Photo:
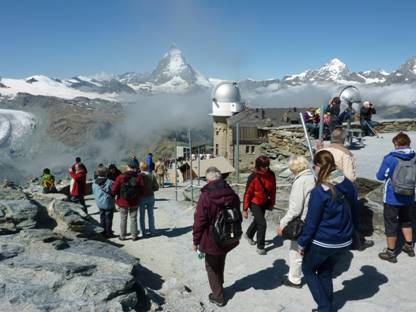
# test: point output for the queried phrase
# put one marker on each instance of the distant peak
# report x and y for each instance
(173, 50)
(336, 62)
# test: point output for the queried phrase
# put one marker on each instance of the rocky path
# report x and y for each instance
(253, 282)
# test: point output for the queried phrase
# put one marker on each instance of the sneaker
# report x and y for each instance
(122, 238)
(261, 252)
(135, 238)
(250, 241)
(388, 255)
(288, 283)
(409, 250)
(218, 303)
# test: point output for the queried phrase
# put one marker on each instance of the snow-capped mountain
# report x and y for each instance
(173, 75)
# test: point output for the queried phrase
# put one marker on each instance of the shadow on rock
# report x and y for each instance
(267, 279)
(173, 232)
(361, 287)
(153, 283)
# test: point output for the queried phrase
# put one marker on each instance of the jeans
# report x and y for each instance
(123, 221)
(318, 265)
(258, 225)
(106, 220)
(215, 269)
(147, 203)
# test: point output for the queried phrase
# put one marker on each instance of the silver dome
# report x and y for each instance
(350, 95)
(227, 92)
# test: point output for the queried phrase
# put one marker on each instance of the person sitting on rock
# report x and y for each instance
(397, 205)
(105, 201)
(78, 185)
(302, 186)
(366, 114)
(48, 181)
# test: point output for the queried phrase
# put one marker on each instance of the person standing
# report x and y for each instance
(147, 202)
(78, 185)
(113, 172)
(160, 170)
(150, 163)
(105, 201)
(128, 188)
(397, 205)
(214, 195)
(344, 159)
(328, 229)
(366, 114)
(260, 195)
(302, 186)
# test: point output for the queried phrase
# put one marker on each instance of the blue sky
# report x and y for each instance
(226, 39)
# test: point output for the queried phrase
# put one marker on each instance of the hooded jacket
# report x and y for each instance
(257, 191)
(213, 196)
(299, 196)
(101, 189)
(330, 222)
(116, 187)
(385, 173)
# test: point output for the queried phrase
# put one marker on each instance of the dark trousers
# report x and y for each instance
(81, 200)
(215, 268)
(318, 265)
(258, 225)
(106, 220)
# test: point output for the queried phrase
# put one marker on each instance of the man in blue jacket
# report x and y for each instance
(396, 206)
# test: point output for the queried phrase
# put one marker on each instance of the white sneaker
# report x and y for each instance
(250, 241)
(261, 252)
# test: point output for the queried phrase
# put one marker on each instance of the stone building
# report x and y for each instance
(230, 112)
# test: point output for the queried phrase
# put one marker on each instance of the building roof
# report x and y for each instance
(266, 117)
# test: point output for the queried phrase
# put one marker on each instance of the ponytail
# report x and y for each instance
(326, 163)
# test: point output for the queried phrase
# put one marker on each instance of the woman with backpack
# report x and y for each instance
(260, 195)
(147, 202)
(215, 196)
(105, 201)
(328, 229)
(302, 186)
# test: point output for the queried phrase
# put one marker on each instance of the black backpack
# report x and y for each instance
(129, 189)
(227, 228)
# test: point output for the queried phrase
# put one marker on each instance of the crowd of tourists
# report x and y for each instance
(323, 217)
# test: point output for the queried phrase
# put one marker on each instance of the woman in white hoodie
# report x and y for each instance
(302, 186)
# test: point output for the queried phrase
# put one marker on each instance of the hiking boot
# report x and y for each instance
(216, 302)
(288, 283)
(388, 255)
(261, 251)
(250, 240)
(409, 250)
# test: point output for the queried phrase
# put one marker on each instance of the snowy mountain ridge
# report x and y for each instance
(174, 75)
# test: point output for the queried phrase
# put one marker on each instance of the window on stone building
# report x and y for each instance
(247, 149)
(253, 149)
(216, 149)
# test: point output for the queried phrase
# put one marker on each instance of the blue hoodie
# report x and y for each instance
(386, 172)
(102, 193)
(330, 223)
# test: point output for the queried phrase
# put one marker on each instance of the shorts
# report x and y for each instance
(395, 217)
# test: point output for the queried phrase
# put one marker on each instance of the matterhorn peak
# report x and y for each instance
(173, 50)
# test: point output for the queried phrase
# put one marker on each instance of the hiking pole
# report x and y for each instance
(373, 130)
(321, 124)
(308, 141)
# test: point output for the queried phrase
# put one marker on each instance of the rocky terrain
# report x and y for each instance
(53, 258)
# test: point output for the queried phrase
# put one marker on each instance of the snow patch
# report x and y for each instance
(14, 125)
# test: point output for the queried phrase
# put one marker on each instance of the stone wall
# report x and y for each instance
(396, 125)
(284, 142)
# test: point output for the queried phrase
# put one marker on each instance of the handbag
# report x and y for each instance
(293, 229)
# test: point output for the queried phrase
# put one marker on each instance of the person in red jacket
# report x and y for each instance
(78, 185)
(260, 196)
(213, 196)
(128, 188)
